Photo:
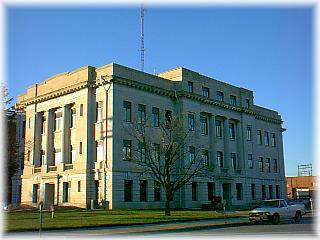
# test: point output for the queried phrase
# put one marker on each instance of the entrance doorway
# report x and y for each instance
(49, 194)
(226, 189)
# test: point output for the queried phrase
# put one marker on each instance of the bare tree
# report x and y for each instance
(163, 153)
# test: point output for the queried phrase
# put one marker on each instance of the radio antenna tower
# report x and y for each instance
(142, 49)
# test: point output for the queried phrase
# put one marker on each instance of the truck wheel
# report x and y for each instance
(275, 218)
(297, 217)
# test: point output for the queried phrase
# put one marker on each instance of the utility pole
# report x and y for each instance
(142, 49)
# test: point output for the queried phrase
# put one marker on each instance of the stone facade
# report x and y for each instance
(75, 124)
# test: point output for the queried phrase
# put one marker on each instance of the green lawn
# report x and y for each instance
(29, 220)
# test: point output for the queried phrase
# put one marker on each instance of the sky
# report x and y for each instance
(265, 49)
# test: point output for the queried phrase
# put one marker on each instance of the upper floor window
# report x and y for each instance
(247, 103)
(250, 161)
(81, 110)
(232, 131)
(73, 154)
(142, 113)
(43, 157)
(99, 150)
(156, 152)
(43, 124)
(142, 152)
(126, 111)
(190, 87)
(234, 160)
(127, 150)
(191, 122)
(220, 159)
(194, 191)
(205, 92)
(168, 117)
(57, 120)
(266, 138)
(273, 139)
(259, 137)
(73, 118)
(268, 167)
(233, 100)
(205, 157)
(192, 154)
(249, 133)
(239, 191)
(99, 111)
(57, 156)
(218, 128)
(219, 96)
(155, 117)
(260, 164)
(29, 122)
(80, 148)
(204, 125)
(275, 165)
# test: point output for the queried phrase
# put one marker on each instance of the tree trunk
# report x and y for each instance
(167, 208)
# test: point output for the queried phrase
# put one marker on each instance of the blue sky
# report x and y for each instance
(267, 50)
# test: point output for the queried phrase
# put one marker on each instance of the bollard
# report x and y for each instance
(52, 211)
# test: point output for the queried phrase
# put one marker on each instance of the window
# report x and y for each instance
(156, 151)
(211, 190)
(43, 124)
(142, 152)
(219, 96)
(260, 164)
(141, 114)
(233, 100)
(23, 129)
(80, 148)
(35, 194)
(126, 111)
(234, 160)
(190, 87)
(157, 191)
(263, 192)
(205, 92)
(250, 161)
(28, 155)
(43, 157)
(249, 133)
(128, 190)
(259, 137)
(192, 154)
(266, 138)
(253, 191)
(239, 191)
(79, 186)
(126, 150)
(29, 122)
(232, 132)
(73, 154)
(277, 191)
(204, 125)
(100, 156)
(81, 110)
(66, 191)
(218, 128)
(270, 192)
(205, 157)
(155, 117)
(57, 156)
(275, 165)
(73, 118)
(143, 190)
(268, 167)
(57, 120)
(220, 159)
(247, 103)
(168, 117)
(194, 191)
(191, 121)
(273, 139)
(99, 111)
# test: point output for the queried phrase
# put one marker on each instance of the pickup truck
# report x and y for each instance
(275, 210)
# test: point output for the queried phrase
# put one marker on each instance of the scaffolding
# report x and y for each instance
(305, 170)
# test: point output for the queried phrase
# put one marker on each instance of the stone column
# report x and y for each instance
(49, 139)
(240, 146)
(65, 133)
(37, 138)
(212, 142)
(226, 139)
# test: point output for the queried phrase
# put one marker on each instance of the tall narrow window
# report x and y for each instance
(275, 165)
(142, 152)
(194, 191)
(128, 190)
(248, 133)
(247, 103)
(259, 137)
(156, 152)
(66, 191)
(268, 167)
(250, 161)
(57, 120)
(218, 128)
(277, 191)
(73, 118)
(211, 190)
(143, 190)
(190, 87)
(99, 111)
(73, 154)
(191, 121)
(270, 192)
(100, 154)
(155, 117)
(205, 92)
(263, 192)
(80, 148)
(234, 160)
(219, 96)
(204, 125)
(205, 157)
(142, 114)
(35, 194)
(273, 139)
(43, 157)
(126, 111)
(127, 150)
(239, 191)
(57, 156)
(81, 110)
(266, 138)
(233, 100)
(253, 191)
(192, 154)
(232, 132)
(43, 124)
(220, 159)
(260, 164)
(157, 191)
(79, 186)
(168, 117)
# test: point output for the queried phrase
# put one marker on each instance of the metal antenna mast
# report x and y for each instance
(142, 49)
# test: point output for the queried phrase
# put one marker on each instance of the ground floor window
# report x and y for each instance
(270, 192)
(35, 195)
(194, 191)
(66, 191)
(277, 191)
(157, 191)
(263, 192)
(253, 191)
(128, 190)
(239, 191)
(211, 190)
(143, 190)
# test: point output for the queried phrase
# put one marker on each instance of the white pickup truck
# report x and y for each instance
(275, 210)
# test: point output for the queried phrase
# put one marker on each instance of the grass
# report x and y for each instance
(29, 220)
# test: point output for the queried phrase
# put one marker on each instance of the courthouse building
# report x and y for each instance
(76, 145)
